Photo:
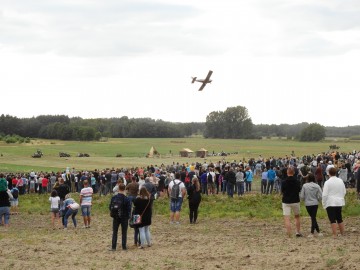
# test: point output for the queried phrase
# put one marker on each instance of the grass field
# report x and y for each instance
(17, 157)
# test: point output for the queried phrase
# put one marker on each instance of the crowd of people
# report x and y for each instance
(311, 178)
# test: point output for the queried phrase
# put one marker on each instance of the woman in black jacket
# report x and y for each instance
(143, 207)
(5, 197)
(194, 196)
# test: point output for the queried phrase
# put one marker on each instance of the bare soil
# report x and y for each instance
(30, 243)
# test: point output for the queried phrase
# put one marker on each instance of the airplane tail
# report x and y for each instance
(193, 79)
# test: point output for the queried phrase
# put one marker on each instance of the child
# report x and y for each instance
(54, 208)
(14, 200)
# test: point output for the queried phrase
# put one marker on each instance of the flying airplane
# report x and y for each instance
(203, 81)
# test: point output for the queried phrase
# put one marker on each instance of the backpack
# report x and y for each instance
(117, 207)
(175, 190)
(15, 193)
(209, 178)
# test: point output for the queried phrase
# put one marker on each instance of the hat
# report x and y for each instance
(321, 161)
(330, 162)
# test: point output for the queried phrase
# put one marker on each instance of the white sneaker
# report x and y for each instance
(320, 234)
(310, 236)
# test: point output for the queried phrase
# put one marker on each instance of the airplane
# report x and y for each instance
(203, 81)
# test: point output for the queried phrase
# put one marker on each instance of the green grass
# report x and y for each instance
(17, 157)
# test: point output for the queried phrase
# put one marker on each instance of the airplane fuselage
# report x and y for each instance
(203, 81)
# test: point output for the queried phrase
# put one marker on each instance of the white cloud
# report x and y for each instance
(286, 61)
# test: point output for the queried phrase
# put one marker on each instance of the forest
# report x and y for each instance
(234, 123)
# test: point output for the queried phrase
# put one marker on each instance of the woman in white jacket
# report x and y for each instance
(333, 199)
(311, 193)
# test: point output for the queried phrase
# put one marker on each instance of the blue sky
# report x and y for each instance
(285, 61)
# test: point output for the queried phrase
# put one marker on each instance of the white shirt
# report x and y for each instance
(334, 192)
(182, 186)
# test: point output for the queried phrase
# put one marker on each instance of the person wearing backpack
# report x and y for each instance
(177, 192)
(120, 208)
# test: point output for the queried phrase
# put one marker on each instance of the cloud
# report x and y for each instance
(101, 29)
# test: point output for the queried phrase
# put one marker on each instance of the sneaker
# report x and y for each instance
(140, 247)
(177, 223)
(320, 234)
(299, 235)
(310, 236)
(112, 249)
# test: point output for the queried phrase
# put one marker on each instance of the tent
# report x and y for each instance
(153, 152)
(202, 152)
(186, 152)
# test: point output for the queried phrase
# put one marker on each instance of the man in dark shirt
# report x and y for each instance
(290, 189)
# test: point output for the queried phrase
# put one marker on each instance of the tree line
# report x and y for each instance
(234, 123)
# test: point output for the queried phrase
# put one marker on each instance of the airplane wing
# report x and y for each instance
(202, 86)
(208, 76)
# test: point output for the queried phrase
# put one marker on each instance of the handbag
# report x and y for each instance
(136, 219)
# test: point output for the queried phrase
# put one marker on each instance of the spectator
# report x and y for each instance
(311, 193)
(176, 199)
(333, 199)
(143, 206)
(194, 196)
(290, 189)
(86, 202)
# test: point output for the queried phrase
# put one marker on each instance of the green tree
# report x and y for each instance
(312, 133)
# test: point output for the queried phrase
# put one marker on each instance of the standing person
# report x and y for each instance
(210, 180)
(333, 199)
(264, 179)
(71, 208)
(54, 208)
(290, 189)
(120, 209)
(311, 193)
(231, 181)
(44, 184)
(5, 197)
(15, 201)
(132, 189)
(271, 180)
(194, 196)
(248, 179)
(143, 206)
(240, 181)
(86, 202)
(177, 192)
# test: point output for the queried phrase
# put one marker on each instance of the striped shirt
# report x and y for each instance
(86, 194)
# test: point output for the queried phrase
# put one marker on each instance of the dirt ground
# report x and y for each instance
(30, 243)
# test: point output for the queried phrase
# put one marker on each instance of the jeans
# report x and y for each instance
(124, 226)
(204, 189)
(240, 188)
(248, 186)
(230, 189)
(5, 211)
(224, 184)
(312, 210)
(263, 185)
(72, 213)
(145, 235)
(270, 186)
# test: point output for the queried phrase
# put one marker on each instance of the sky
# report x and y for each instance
(287, 62)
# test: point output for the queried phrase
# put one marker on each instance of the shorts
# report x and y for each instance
(334, 214)
(85, 210)
(54, 210)
(14, 202)
(175, 205)
(287, 207)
